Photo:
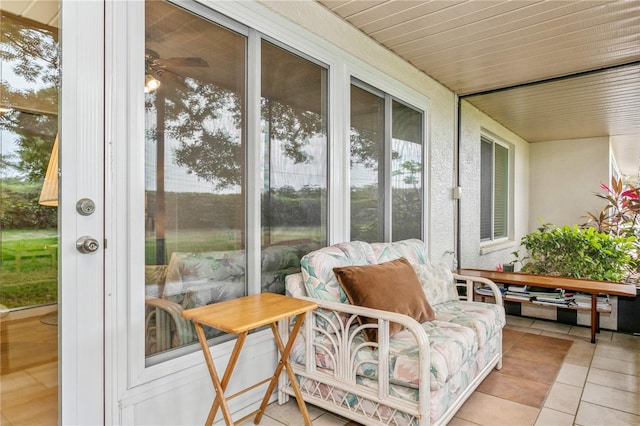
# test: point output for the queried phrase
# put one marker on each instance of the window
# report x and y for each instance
(386, 167)
(494, 190)
(294, 162)
(199, 192)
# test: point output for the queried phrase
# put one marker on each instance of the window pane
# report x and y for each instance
(29, 70)
(367, 166)
(194, 170)
(406, 170)
(501, 194)
(294, 156)
(486, 188)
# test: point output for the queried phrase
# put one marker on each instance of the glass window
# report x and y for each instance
(367, 165)
(194, 170)
(406, 172)
(385, 205)
(29, 89)
(494, 186)
(196, 180)
(294, 162)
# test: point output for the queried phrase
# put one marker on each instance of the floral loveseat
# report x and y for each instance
(200, 278)
(430, 367)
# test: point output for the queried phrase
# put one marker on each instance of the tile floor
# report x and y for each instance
(596, 385)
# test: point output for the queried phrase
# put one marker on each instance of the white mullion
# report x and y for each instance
(254, 167)
(388, 176)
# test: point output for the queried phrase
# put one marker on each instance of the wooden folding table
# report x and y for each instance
(240, 316)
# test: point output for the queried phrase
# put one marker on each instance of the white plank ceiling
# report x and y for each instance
(479, 48)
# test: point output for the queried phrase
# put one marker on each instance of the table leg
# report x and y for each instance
(219, 386)
(284, 363)
(594, 316)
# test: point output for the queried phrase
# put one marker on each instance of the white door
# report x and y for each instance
(82, 147)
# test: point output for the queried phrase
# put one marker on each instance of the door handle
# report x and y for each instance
(87, 245)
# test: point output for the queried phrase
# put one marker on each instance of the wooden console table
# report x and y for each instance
(239, 316)
(585, 286)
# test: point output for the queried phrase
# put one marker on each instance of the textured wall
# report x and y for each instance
(564, 176)
(472, 253)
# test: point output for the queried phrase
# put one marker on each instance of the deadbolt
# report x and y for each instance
(85, 206)
(87, 245)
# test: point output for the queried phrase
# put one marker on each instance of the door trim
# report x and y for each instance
(81, 372)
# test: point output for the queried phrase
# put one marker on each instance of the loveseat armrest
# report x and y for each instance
(165, 328)
(336, 325)
(470, 283)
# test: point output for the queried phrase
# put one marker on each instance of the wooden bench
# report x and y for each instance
(591, 287)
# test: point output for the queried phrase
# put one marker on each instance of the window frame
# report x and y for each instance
(387, 190)
(256, 22)
(508, 204)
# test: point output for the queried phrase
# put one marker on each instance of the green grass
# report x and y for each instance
(29, 272)
(34, 281)
(203, 240)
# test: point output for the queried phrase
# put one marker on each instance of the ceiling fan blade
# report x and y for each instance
(192, 62)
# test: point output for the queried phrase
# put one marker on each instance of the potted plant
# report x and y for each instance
(605, 248)
(577, 252)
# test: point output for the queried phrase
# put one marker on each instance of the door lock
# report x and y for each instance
(85, 207)
(87, 245)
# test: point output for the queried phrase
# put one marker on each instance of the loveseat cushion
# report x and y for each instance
(188, 269)
(412, 249)
(437, 282)
(317, 268)
(390, 286)
(453, 348)
(484, 319)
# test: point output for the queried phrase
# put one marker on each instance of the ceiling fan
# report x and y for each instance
(154, 64)
(152, 59)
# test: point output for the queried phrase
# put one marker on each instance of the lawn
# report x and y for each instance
(29, 270)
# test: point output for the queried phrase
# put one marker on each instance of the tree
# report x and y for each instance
(32, 53)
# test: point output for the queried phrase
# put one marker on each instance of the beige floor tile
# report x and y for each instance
(329, 419)
(519, 321)
(580, 331)
(572, 374)
(525, 329)
(4, 421)
(604, 336)
(551, 326)
(549, 417)
(564, 398)
(625, 382)
(487, 410)
(15, 381)
(457, 421)
(581, 353)
(617, 365)
(596, 415)
(612, 398)
(25, 412)
(46, 374)
(289, 413)
(566, 336)
(624, 353)
(627, 340)
(266, 421)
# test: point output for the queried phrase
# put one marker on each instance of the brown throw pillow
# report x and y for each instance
(389, 286)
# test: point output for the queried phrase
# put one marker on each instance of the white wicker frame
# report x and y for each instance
(342, 380)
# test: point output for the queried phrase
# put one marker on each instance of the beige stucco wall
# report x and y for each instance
(565, 174)
(473, 254)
